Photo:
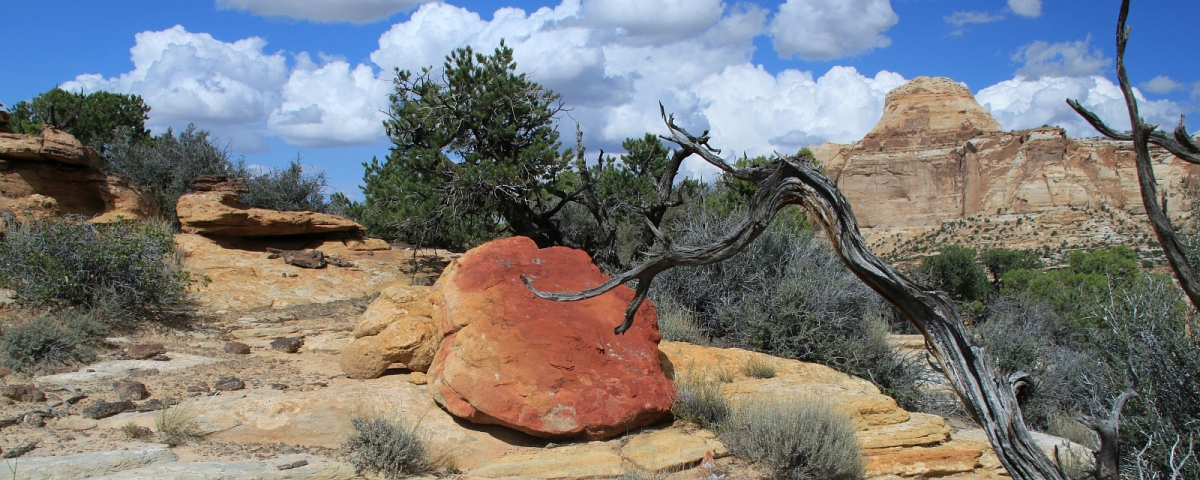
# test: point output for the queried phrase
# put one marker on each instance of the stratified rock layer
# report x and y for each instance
(219, 213)
(53, 174)
(938, 161)
(545, 368)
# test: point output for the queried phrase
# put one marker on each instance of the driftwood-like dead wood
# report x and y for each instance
(987, 394)
(1142, 135)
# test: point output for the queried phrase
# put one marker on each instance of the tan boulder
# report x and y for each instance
(403, 326)
(219, 213)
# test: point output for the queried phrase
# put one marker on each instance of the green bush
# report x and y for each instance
(391, 449)
(804, 439)
(166, 164)
(91, 118)
(73, 262)
(955, 271)
(1080, 343)
(50, 341)
(288, 189)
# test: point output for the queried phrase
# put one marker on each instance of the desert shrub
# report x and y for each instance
(698, 400)
(51, 340)
(71, 261)
(803, 439)
(1081, 349)
(166, 164)
(787, 295)
(955, 271)
(391, 449)
(1000, 260)
(288, 189)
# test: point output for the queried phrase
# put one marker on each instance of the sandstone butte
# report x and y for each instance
(938, 163)
(549, 369)
(52, 174)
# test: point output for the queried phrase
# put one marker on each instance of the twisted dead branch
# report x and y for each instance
(1141, 135)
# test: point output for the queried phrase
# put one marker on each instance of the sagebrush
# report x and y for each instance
(73, 262)
(795, 439)
(391, 449)
(53, 340)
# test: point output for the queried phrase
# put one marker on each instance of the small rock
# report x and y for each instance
(33, 419)
(418, 378)
(5, 371)
(162, 357)
(144, 351)
(237, 348)
(229, 384)
(104, 409)
(278, 386)
(248, 320)
(150, 406)
(128, 390)
(289, 345)
(23, 393)
(295, 464)
(198, 388)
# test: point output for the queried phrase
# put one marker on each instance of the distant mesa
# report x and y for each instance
(938, 169)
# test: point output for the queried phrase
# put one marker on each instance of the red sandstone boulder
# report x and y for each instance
(549, 369)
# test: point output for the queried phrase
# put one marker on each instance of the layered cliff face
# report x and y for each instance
(53, 174)
(937, 169)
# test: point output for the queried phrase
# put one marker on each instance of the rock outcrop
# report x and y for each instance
(549, 369)
(53, 174)
(402, 326)
(219, 213)
(937, 167)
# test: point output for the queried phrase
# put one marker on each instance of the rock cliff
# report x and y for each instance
(937, 169)
(53, 174)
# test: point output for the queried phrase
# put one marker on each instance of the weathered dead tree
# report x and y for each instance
(1180, 144)
(988, 395)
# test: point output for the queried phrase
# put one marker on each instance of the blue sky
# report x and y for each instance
(277, 78)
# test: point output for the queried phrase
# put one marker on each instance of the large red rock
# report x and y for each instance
(549, 369)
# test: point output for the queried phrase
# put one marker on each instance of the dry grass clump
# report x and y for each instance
(805, 439)
(698, 400)
(677, 324)
(177, 425)
(759, 366)
(391, 449)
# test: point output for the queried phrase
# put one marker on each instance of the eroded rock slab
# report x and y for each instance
(93, 465)
(576, 461)
(545, 368)
(219, 213)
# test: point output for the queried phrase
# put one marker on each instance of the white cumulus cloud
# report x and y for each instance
(831, 29)
(193, 78)
(959, 19)
(1162, 84)
(1064, 59)
(1026, 8)
(331, 105)
(654, 19)
(325, 11)
(1023, 103)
